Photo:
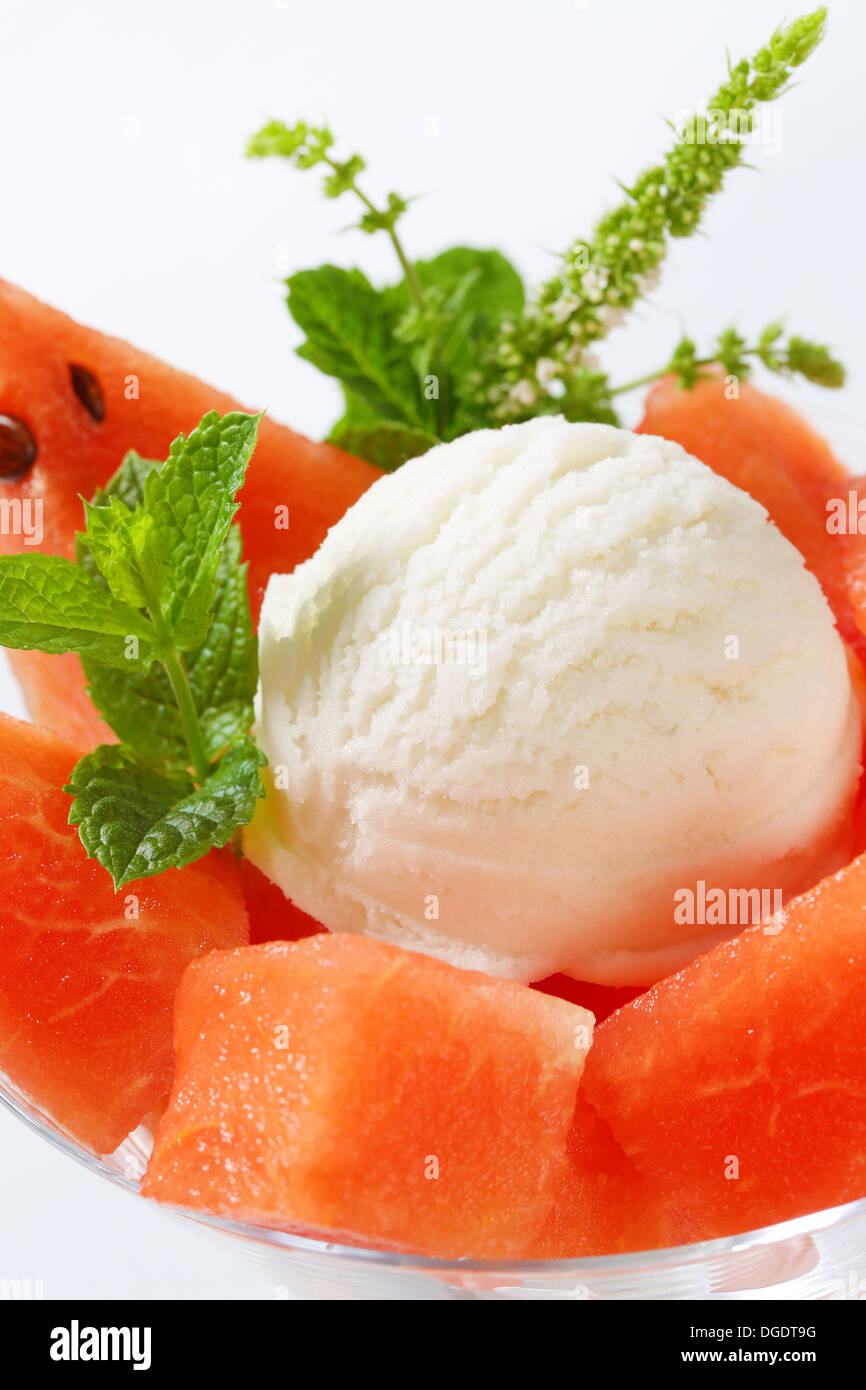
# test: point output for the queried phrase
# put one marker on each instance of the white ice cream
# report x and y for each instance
(531, 685)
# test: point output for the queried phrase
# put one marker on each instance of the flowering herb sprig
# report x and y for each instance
(736, 357)
(457, 344)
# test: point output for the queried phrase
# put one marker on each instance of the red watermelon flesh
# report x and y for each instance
(128, 399)
(739, 1084)
(87, 976)
(273, 916)
(371, 1093)
(604, 1205)
(600, 1000)
(767, 449)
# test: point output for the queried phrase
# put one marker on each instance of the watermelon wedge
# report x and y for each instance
(72, 402)
(369, 1093)
(87, 976)
(739, 1084)
(767, 449)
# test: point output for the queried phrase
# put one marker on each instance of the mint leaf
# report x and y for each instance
(114, 539)
(142, 710)
(495, 291)
(466, 295)
(117, 800)
(49, 603)
(189, 505)
(351, 335)
(386, 444)
(222, 672)
(138, 821)
(127, 484)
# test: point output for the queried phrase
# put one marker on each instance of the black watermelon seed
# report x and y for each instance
(17, 448)
(88, 390)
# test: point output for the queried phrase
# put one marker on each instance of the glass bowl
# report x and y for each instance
(820, 1256)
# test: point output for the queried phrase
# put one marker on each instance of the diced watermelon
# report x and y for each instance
(739, 1084)
(605, 1206)
(273, 916)
(127, 399)
(87, 976)
(369, 1093)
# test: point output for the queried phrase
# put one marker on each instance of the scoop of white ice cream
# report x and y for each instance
(532, 685)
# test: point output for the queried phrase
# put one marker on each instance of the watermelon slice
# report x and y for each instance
(367, 1092)
(739, 1084)
(273, 916)
(604, 1205)
(72, 402)
(762, 446)
(87, 976)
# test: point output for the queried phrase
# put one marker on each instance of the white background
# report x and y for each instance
(127, 202)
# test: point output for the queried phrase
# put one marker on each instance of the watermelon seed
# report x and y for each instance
(17, 448)
(88, 391)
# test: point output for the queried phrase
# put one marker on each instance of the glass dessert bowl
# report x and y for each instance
(817, 1256)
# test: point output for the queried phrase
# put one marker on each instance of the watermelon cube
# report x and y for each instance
(604, 1205)
(739, 1084)
(346, 1087)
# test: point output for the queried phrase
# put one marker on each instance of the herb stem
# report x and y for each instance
(671, 367)
(414, 286)
(175, 669)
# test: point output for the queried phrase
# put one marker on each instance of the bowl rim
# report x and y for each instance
(662, 1259)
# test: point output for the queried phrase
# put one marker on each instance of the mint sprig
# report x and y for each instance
(222, 672)
(460, 331)
(157, 607)
(139, 821)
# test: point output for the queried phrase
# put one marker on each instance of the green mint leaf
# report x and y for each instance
(127, 484)
(141, 709)
(50, 603)
(189, 505)
(350, 330)
(222, 672)
(466, 294)
(139, 821)
(385, 443)
(114, 539)
(497, 290)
